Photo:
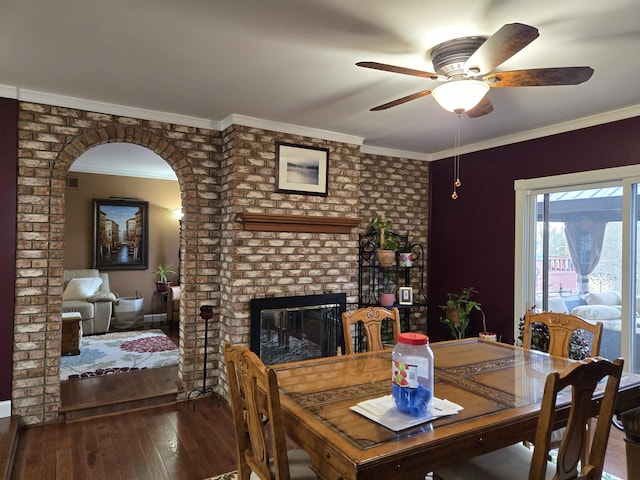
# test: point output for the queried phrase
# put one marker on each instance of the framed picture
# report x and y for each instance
(120, 234)
(301, 169)
(405, 295)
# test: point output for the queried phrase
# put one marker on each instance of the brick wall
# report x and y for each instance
(221, 174)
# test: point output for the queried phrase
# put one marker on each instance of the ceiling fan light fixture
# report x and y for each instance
(460, 95)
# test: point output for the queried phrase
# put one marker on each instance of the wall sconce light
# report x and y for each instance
(177, 212)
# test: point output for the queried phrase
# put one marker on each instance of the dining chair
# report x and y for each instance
(518, 461)
(370, 319)
(561, 326)
(257, 418)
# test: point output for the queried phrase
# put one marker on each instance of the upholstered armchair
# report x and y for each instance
(88, 292)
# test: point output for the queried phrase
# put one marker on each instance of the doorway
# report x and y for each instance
(129, 171)
(578, 237)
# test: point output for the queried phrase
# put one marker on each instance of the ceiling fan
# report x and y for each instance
(466, 66)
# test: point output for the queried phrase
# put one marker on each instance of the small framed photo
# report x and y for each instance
(406, 296)
(301, 169)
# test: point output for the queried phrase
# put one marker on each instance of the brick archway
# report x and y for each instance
(51, 139)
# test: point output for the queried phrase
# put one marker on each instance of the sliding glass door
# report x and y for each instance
(578, 253)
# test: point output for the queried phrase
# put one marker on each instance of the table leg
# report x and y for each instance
(631, 426)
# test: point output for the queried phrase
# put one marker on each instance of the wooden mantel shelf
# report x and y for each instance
(297, 223)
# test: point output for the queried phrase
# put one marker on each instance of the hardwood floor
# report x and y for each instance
(174, 441)
(170, 442)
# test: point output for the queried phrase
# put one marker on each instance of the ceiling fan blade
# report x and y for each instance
(482, 108)
(539, 77)
(395, 69)
(402, 100)
(500, 46)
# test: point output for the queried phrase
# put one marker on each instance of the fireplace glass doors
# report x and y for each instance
(287, 329)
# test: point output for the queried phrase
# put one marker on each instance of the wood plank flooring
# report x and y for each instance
(171, 442)
(95, 396)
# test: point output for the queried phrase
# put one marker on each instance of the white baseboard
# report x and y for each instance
(5, 409)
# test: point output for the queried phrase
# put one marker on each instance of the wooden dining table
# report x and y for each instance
(499, 386)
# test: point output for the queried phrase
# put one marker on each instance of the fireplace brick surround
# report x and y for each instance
(222, 174)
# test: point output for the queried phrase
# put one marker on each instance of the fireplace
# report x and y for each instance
(287, 329)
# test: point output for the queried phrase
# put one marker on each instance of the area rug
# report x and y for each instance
(119, 352)
(226, 476)
(234, 475)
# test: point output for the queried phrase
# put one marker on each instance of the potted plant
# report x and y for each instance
(458, 310)
(388, 288)
(387, 245)
(163, 270)
(484, 334)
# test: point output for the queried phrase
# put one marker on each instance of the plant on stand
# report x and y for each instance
(387, 245)
(163, 270)
(458, 310)
(388, 288)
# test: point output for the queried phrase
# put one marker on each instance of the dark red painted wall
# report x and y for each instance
(472, 238)
(8, 182)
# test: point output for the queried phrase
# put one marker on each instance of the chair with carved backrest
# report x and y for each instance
(371, 319)
(517, 461)
(561, 326)
(257, 418)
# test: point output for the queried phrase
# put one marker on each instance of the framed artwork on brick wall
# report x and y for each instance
(120, 234)
(301, 169)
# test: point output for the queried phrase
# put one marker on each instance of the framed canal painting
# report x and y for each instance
(120, 234)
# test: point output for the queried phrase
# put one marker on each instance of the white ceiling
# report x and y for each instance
(290, 64)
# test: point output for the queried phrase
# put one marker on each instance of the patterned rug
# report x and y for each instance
(226, 476)
(119, 352)
(234, 475)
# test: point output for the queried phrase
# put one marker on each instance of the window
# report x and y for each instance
(576, 252)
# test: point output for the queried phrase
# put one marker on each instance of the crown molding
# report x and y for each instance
(27, 95)
(389, 152)
(585, 122)
(102, 170)
(7, 91)
(263, 124)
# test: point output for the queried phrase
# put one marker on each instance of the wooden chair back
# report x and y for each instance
(255, 405)
(561, 326)
(583, 378)
(371, 319)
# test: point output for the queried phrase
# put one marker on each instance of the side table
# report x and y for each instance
(71, 333)
(159, 307)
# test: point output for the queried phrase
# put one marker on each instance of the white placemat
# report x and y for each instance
(383, 411)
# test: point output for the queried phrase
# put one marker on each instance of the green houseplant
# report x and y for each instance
(387, 245)
(388, 288)
(163, 270)
(458, 310)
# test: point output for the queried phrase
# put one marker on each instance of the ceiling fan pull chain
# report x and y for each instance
(456, 163)
(458, 182)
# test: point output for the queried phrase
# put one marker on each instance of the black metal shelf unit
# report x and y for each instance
(371, 276)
